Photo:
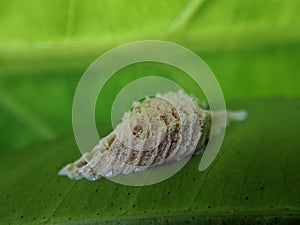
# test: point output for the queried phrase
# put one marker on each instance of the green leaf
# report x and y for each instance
(90, 21)
(253, 47)
(255, 178)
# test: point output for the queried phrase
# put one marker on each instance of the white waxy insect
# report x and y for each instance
(157, 131)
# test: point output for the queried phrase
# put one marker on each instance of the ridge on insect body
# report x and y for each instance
(155, 132)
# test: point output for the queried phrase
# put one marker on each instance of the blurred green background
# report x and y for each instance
(253, 48)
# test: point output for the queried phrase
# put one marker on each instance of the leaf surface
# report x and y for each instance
(255, 177)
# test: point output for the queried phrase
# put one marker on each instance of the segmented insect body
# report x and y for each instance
(159, 130)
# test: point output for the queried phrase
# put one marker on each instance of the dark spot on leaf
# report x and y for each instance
(261, 188)
(207, 206)
(97, 190)
(22, 217)
(246, 198)
(98, 214)
(111, 204)
(70, 218)
(133, 206)
(34, 218)
(128, 193)
(169, 193)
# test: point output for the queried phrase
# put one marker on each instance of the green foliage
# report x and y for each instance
(254, 178)
(253, 47)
